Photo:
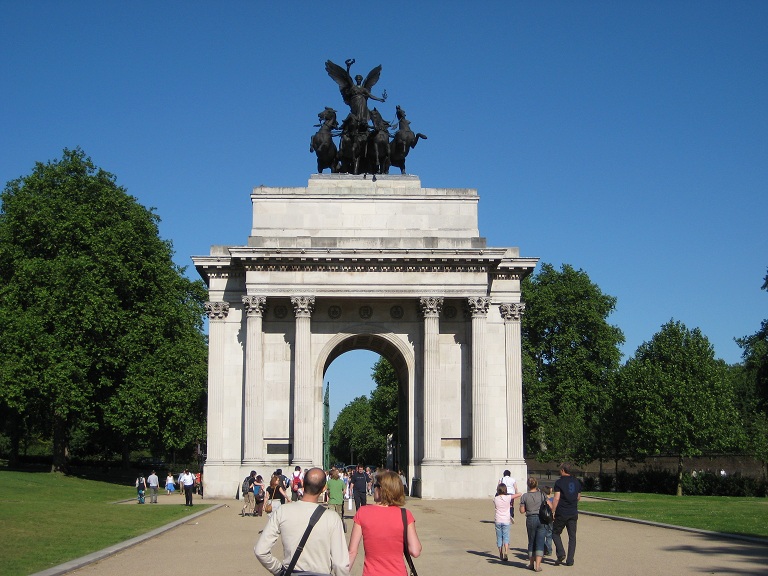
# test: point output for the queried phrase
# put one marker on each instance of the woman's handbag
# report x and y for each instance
(268, 505)
(405, 543)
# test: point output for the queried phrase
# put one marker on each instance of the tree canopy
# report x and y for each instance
(752, 396)
(679, 397)
(570, 355)
(361, 428)
(102, 332)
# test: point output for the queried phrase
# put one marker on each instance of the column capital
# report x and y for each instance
(217, 310)
(478, 305)
(303, 306)
(512, 311)
(431, 306)
(255, 305)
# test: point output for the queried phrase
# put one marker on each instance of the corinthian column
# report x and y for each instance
(253, 395)
(512, 314)
(430, 308)
(303, 405)
(481, 426)
(217, 313)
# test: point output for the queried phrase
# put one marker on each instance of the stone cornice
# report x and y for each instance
(494, 261)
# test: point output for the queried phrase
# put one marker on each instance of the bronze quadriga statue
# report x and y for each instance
(366, 145)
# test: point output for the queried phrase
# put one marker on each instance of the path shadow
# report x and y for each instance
(494, 559)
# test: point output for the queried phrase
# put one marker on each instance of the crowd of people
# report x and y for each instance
(384, 527)
(314, 500)
(188, 484)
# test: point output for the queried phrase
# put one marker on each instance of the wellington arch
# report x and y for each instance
(354, 262)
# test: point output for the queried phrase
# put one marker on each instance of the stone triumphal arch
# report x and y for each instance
(382, 264)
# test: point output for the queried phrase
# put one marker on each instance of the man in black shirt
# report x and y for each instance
(359, 483)
(566, 513)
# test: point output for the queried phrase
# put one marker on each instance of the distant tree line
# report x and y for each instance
(581, 404)
(672, 397)
(359, 434)
(102, 349)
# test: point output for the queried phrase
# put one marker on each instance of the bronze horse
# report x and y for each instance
(378, 145)
(354, 135)
(322, 142)
(404, 140)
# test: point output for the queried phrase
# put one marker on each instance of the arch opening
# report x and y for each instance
(399, 438)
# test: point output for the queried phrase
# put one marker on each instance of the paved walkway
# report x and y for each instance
(458, 538)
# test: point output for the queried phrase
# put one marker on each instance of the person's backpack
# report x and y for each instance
(296, 483)
(246, 485)
(545, 512)
(142, 485)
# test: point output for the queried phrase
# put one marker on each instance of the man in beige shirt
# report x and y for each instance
(326, 549)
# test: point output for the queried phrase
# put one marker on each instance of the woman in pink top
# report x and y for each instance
(502, 502)
(381, 527)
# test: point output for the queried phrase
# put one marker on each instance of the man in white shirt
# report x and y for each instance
(325, 551)
(187, 480)
(511, 485)
(153, 482)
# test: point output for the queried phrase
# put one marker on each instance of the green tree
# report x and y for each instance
(384, 398)
(570, 355)
(102, 333)
(679, 397)
(753, 391)
(353, 435)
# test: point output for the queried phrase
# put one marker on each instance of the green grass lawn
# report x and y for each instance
(746, 516)
(48, 518)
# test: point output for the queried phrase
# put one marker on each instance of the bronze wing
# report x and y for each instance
(372, 78)
(341, 77)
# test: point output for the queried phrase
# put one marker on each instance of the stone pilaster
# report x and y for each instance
(217, 314)
(512, 315)
(253, 395)
(430, 309)
(481, 425)
(304, 429)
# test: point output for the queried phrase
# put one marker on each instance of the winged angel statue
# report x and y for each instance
(356, 94)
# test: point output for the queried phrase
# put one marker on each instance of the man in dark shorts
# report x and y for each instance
(359, 483)
(566, 513)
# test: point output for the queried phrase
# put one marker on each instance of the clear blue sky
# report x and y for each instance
(629, 139)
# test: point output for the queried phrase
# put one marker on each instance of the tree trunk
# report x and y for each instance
(15, 428)
(60, 441)
(126, 455)
(680, 475)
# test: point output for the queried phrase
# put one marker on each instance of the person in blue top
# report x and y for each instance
(566, 513)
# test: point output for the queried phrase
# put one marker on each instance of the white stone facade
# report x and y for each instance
(352, 263)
